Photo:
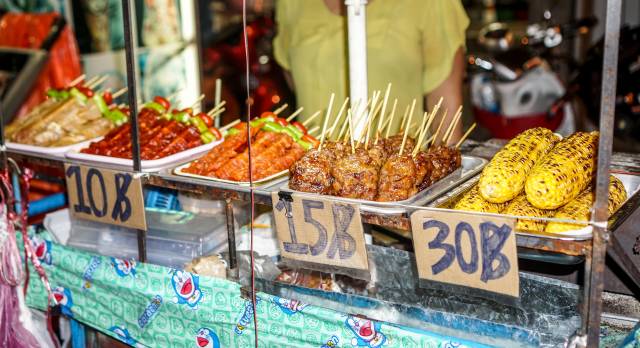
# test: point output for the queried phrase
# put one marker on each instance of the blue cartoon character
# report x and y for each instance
(367, 332)
(206, 338)
(332, 342)
(452, 344)
(246, 317)
(87, 276)
(289, 307)
(64, 300)
(42, 249)
(187, 288)
(124, 268)
(124, 335)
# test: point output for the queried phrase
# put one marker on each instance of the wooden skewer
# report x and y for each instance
(326, 120)
(453, 127)
(382, 112)
(98, 82)
(313, 130)
(393, 113)
(435, 135)
(306, 122)
(77, 80)
(353, 148)
(413, 107)
(91, 80)
(404, 117)
(452, 124)
(198, 100)
(119, 92)
(406, 131)
(231, 124)
(216, 108)
(217, 113)
(296, 113)
(335, 122)
(420, 134)
(280, 109)
(464, 137)
(173, 95)
(385, 124)
(375, 108)
(423, 133)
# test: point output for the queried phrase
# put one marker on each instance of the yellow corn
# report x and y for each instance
(519, 206)
(580, 208)
(472, 201)
(563, 173)
(504, 177)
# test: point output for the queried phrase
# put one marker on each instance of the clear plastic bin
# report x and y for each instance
(173, 238)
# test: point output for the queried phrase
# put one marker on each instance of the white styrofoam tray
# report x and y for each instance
(56, 151)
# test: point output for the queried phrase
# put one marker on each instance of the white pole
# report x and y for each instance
(358, 85)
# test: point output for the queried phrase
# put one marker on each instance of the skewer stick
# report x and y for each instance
(313, 130)
(454, 121)
(173, 95)
(382, 113)
(197, 101)
(296, 113)
(423, 133)
(393, 113)
(306, 122)
(91, 80)
(77, 80)
(406, 131)
(280, 109)
(404, 117)
(464, 137)
(231, 124)
(335, 122)
(453, 127)
(435, 135)
(326, 120)
(217, 113)
(411, 110)
(216, 108)
(98, 82)
(420, 133)
(353, 148)
(119, 92)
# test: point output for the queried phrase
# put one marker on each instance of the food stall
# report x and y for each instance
(472, 210)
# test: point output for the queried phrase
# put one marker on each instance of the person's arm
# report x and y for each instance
(451, 92)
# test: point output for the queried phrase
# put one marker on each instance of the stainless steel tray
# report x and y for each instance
(470, 166)
(631, 183)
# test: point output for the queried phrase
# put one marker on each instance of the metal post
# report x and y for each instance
(600, 213)
(231, 238)
(128, 14)
(358, 84)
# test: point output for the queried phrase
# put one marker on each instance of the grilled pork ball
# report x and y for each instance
(392, 144)
(312, 173)
(355, 176)
(397, 178)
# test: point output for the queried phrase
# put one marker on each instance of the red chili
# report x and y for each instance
(311, 140)
(300, 126)
(268, 114)
(282, 122)
(126, 111)
(162, 101)
(108, 97)
(187, 110)
(86, 91)
(216, 132)
(206, 118)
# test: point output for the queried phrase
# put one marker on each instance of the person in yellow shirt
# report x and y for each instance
(417, 45)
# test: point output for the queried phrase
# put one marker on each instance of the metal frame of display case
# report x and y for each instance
(593, 250)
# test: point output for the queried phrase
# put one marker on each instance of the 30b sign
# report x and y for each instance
(105, 196)
(468, 250)
(320, 231)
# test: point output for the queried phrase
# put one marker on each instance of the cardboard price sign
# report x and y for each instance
(105, 196)
(317, 230)
(474, 251)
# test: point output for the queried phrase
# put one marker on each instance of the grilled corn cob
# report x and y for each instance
(472, 201)
(563, 173)
(521, 207)
(504, 177)
(580, 208)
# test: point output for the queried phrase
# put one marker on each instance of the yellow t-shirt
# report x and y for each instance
(410, 43)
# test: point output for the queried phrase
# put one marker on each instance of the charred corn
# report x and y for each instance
(563, 173)
(580, 208)
(504, 177)
(519, 206)
(472, 201)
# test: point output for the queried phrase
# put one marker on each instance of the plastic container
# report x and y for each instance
(173, 238)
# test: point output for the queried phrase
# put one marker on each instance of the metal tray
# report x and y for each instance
(470, 166)
(631, 184)
(256, 183)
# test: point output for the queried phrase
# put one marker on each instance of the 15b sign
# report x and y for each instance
(320, 231)
(105, 196)
(461, 249)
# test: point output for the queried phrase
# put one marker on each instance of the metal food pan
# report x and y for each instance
(470, 166)
(631, 184)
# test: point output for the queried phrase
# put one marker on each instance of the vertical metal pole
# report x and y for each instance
(231, 238)
(358, 82)
(600, 214)
(130, 36)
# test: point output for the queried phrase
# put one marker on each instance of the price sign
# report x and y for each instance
(473, 251)
(105, 196)
(319, 231)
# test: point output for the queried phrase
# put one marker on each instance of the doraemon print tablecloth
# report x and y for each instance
(148, 305)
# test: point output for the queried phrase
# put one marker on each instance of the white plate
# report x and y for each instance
(56, 151)
(180, 171)
(146, 165)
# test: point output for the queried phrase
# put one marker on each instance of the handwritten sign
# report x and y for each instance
(319, 231)
(467, 250)
(105, 196)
